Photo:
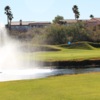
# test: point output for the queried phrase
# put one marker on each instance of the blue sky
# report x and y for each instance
(46, 10)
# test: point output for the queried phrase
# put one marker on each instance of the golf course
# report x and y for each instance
(49, 46)
(77, 51)
(49, 50)
(65, 87)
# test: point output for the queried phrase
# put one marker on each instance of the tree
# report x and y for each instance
(7, 9)
(57, 19)
(9, 15)
(76, 12)
(91, 16)
(56, 34)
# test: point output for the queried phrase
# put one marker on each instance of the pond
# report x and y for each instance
(35, 73)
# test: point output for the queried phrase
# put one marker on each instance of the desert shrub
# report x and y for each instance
(58, 34)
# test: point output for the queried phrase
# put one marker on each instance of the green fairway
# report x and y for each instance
(68, 54)
(67, 87)
(76, 51)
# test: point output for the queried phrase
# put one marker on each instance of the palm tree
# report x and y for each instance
(7, 10)
(76, 12)
(10, 17)
(91, 16)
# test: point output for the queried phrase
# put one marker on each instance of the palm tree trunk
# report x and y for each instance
(8, 21)
(10, 25)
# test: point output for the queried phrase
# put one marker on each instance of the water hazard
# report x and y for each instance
(14, 68)
(23, 74)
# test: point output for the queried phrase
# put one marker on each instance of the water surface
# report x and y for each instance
(36, 73)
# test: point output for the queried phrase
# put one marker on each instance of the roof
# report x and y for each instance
(28, 23)
(93, 20)
(96, 19)
(72, 20)
(39, 23)
(69, 20)
(23, 22)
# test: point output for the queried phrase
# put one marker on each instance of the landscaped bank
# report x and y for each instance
(67, 87)
(76, 55)
(72, 64)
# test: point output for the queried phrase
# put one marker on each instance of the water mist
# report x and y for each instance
(12, 67)
(8, 52)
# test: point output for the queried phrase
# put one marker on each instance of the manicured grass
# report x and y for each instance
(79, 45)
(66, 55)
(67, 87)
(75, 51)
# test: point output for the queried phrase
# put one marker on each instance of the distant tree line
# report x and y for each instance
(57, 33)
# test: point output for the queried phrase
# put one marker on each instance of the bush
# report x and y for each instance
(59, 34)
(56, 34)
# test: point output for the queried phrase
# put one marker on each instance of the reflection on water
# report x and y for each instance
(74, 71)
(8, 75)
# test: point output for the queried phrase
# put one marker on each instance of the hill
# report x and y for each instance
(80, 45)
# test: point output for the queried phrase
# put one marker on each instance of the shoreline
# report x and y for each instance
(72, 64)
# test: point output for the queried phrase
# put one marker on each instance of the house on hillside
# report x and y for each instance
(88, 22)
(93, 22)
(26, 25)
(67, 22)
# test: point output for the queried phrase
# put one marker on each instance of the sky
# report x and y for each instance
(47, 10)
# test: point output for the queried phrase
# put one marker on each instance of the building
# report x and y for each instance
(67, 22)
(26, 25)
(93, 22)
(88, 22)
